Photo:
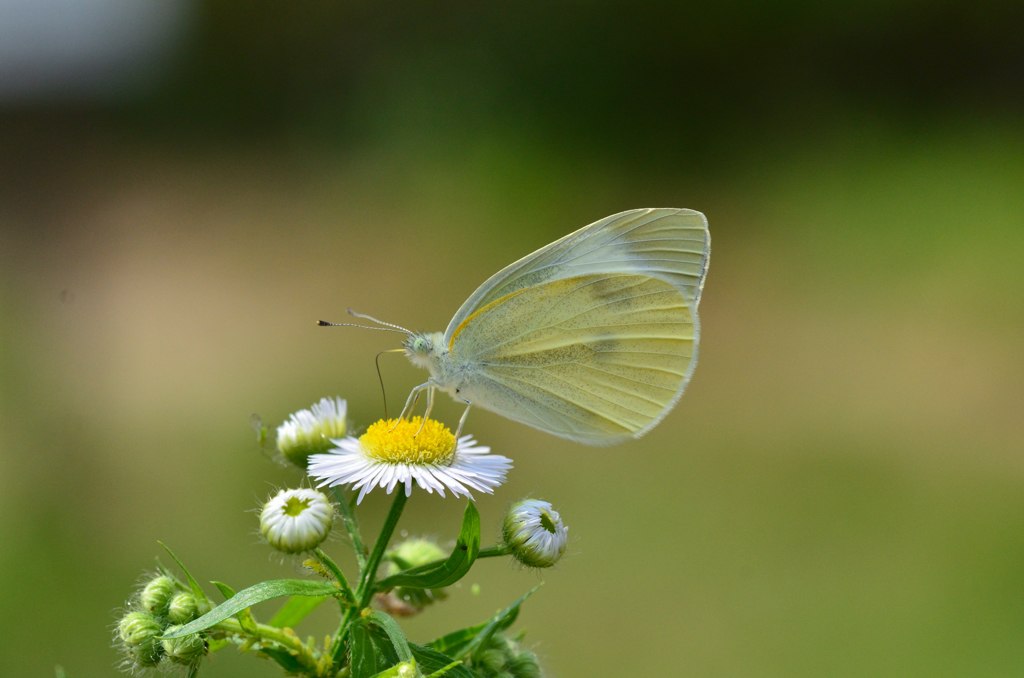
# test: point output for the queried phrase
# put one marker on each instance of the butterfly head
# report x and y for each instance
(422, 347)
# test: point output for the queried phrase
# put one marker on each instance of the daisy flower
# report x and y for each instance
(310, 431)
(534, 533)
(392, 453)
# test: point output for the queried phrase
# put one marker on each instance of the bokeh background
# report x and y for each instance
(186, 185)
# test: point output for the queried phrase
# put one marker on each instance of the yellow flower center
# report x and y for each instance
(434, 444)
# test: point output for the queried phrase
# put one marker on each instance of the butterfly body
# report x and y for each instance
(592, 338)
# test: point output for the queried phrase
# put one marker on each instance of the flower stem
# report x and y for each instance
(366, 582)
(272, 633)
(348, 517)
(494, 551)
(338, 574)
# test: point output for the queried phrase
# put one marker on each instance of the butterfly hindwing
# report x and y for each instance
(595, 358)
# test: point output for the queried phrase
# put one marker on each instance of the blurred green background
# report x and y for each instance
(839, 493)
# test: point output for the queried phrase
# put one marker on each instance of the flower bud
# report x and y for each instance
(183, 608)
(140, 633)
(156, 595)
(294, 521)
(534, 533)
(412, 553)
(310, 431)
(186, 650)
(524, 665)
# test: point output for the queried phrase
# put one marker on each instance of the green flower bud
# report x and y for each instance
(490, 662)
(187, 650)
(184, 608)
(156, 595)
(524, 665)
(413, 553)
(534, 533)
(294, 521)
(140, 633)
(310, 431)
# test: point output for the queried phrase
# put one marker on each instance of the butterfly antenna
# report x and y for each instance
(379, 322)
(382, 393)
(324, 323)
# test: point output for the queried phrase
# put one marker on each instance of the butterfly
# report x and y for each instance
(591, 338)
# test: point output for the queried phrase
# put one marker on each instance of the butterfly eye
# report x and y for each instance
(420, 345)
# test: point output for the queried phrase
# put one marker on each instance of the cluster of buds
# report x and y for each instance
(162, 604)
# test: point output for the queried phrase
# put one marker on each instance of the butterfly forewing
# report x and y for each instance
(672, 245)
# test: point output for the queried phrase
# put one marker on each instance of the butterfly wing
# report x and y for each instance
(597, 358)
(672, 245)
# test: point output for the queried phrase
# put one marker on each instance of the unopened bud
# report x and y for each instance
(186, 650)
(294, 521)
(156, 595)
(183, 608)
(534, 533)
(140, 633)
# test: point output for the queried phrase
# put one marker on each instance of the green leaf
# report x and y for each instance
(59, 671)
(446, 573)
(295, 610)
(370, 652)
(499, 622)
(256, 594)
(373, 652)
(453, 642)
(398, 640)
(197, 591)
(284, 659)
(432, 660)
(244, 617)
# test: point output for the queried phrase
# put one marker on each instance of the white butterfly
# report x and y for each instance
(592, 338)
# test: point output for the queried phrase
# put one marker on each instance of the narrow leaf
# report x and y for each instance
(244, 617)
(394, 631)
(453, 642)
(501, 621)
(446, 573)
(295, 610)
(197, 591)
(252, 595)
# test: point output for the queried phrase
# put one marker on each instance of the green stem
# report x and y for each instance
(348, 517)
(338, 575)
(365, 591)
(366, 582)
(494, 551)
(272, 633)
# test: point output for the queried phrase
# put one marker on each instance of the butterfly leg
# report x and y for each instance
(410, 402)
(426, 412)
(462, 421)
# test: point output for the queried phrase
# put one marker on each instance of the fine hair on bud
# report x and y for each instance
(186, 650)
(140, 636)
(183, 608)
(156, 595)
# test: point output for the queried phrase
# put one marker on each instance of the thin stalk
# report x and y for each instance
(264, 632)
(338, 575)
(348, 517)
(366, 582)
(494, 551)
